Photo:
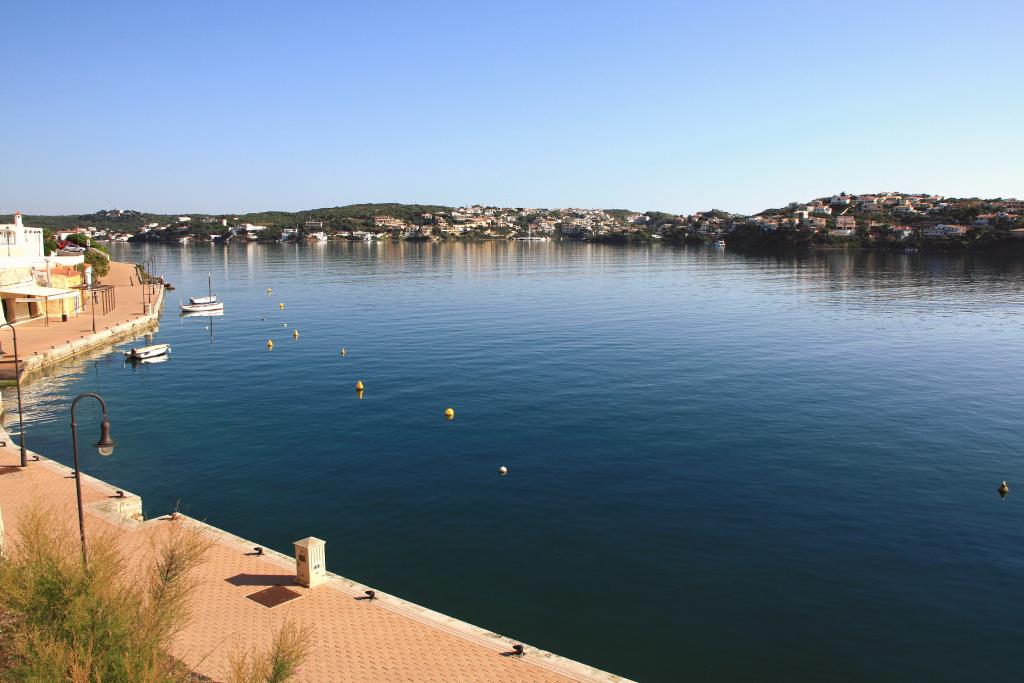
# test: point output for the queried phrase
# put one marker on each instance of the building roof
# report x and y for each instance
(29, 289)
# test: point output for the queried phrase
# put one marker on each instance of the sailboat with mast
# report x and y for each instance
(530, 237)
(204, 304)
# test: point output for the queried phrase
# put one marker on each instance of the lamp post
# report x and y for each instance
(17, 383)
(92, 305)
(105, 446)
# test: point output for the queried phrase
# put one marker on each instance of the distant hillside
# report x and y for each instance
(335, 217)
(127, 221)
(341, 216)
(882, 220)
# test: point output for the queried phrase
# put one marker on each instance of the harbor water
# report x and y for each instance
(721, 467)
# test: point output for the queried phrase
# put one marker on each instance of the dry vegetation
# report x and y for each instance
(276, 665)
(61, 622)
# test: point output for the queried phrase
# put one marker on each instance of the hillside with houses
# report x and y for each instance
(880, 220)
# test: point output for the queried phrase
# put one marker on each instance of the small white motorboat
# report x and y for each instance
(148, 352)
(212, 299)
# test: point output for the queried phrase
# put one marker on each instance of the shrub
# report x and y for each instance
(95, 624)
(276, 665)
(61, 622)
(99, 261)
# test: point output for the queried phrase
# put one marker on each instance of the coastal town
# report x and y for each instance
(841, 220)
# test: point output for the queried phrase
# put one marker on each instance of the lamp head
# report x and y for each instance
(105, 445)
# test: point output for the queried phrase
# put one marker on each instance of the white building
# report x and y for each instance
(249, 230)
(25, 274)
(945, 230)
(18, 241)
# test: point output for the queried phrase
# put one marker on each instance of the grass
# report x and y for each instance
(110, 622)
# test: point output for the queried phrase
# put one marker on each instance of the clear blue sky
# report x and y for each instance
(674, 106)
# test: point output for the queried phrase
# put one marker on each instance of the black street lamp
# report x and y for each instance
(92, 305)
(105, 446)
(17, 383)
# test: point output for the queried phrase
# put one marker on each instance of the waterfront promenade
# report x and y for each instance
(352, 639)
(41, 343)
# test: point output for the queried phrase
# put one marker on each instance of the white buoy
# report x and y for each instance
(503, 470)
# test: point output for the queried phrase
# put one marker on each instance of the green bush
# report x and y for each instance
(79, 239)
(99, 261)
(49, 242)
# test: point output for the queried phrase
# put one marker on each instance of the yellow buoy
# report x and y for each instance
(359, 394)
(359, 385)
(295, 334)
(1003, 489)
(449, 413)
(344, 352)
(270, 344)
(281, 306)
(268, 290)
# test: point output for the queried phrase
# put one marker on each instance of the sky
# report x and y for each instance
(228, 107)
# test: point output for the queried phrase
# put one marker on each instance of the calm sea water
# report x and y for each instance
(722, 467)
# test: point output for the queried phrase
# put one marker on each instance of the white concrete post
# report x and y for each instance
(310, 562)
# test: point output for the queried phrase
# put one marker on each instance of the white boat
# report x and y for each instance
(530, 237)
(148, 352)
(203, 314)
(720, 243)
(204, 304)
(203, 308)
